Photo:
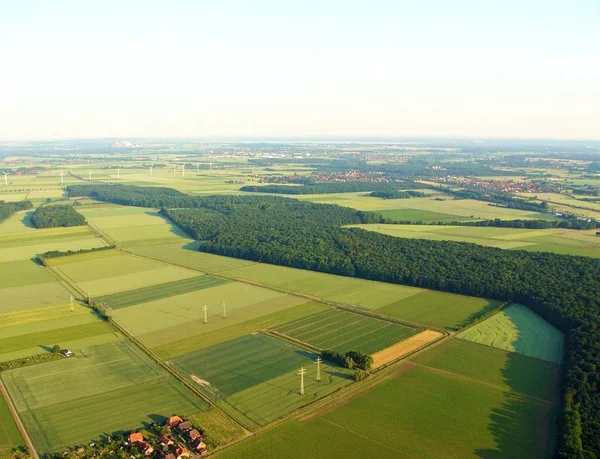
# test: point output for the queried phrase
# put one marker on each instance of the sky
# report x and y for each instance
(176, 68)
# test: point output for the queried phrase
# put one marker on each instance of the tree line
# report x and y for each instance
(332, 187)
(9, 208)
(57, 215)
(497, 223)
(563, 289)
(397, 194)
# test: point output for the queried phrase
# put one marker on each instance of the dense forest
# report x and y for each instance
(57, 215)
(563, 289)
(331, 187)
(9, 208)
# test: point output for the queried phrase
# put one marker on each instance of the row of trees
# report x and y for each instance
(525, 224)
(565, 290)
(9, 208)
(43, 257)
(57, 215)
(351, 359)
(397, 194)
(332, 187)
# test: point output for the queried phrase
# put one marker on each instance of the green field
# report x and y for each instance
(253, 378)
(422, 215)
(236, 329)
(180, 317)
(438, 309)
(343, 331)
(518, 329)
(423, 412)
(556, 240)
(112, 271)
(160, 291)
(103, 389)
(10, 437)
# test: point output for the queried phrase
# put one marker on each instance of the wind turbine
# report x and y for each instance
(183, 170)
(174, 168)
(198, 168)
(62, 177)
(210, 165)
(6, 174)
(151, 169)
(90, 174)
(118, 173)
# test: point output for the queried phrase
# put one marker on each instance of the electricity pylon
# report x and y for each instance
(301, 373)
(318, 362)
(224, 310)
(205, 308)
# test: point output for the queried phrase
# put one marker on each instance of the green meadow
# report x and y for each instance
(102, 389)
(518, 329)
(10, 437)
(253, 378)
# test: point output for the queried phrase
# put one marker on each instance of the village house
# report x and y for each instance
(184, 426)
(136, 437)
(182, 452)
(173, 421)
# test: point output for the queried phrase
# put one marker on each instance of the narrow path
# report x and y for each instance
(17, 419)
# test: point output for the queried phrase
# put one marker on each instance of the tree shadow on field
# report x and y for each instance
(524, 425)
(46, 348)
(193, 246)
(26, 220)
(477, 314)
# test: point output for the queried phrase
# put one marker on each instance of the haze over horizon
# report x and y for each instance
(344, 69)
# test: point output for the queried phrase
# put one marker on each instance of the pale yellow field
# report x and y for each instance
(407, 346)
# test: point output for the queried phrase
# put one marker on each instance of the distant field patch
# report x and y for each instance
(439, 309)
(343, 331)
(160, 291)
(10, 437)
(253, 378)
(518, 329)
(421, 215)
(103, 389)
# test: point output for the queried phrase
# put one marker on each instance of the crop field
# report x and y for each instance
(344, 331)
(468, 208)
(187, 255)
(422, 215)
(405, 347)
(112, 271)
(26, 245)
(557, 240)
(508, 370)
(106, 388)
(253, 378)
(426, 410)
(236, 329)
(349, 290)
(10, 437)
(135, 224)
(518, 329)
(438, 309)
(182, 316)
(160, 291)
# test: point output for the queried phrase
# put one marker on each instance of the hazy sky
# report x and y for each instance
(523, 68)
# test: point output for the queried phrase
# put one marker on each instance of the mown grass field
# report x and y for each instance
(10, 437)
(438, 309)
(182, 316)
(343, 331)
(424, 412)
(556, 240)
(160, 291)
(422, 215)
(253, 378)
(103, 389)
(518, 329)
(112, 271)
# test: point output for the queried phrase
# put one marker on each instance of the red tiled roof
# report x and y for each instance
(136, 437)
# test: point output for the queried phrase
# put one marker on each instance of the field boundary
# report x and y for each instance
(17, 419)
(94, 229)
(294, 341)
(410, 352)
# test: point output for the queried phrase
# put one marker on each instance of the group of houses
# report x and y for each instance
(179, 440)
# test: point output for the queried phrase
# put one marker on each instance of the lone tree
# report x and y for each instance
(56, 349)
